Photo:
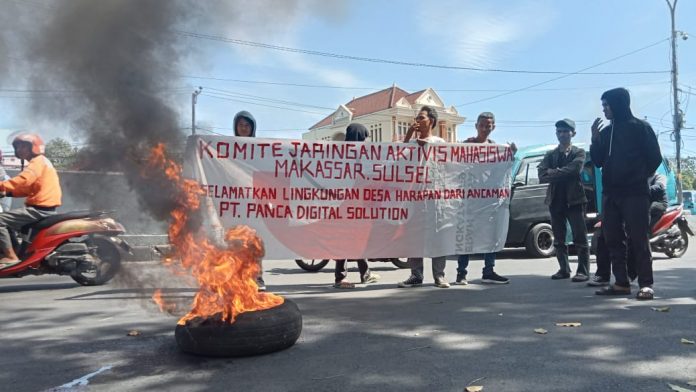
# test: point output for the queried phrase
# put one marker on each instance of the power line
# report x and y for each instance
(395, 62)
(563, 76)
(382, 88)
(260, 104)
(259, 98)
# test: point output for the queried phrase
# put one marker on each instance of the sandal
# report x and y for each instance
(612, 290)
(645, 293)
(344, 285)
(9, 263)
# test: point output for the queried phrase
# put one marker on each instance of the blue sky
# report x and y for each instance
(537, 35)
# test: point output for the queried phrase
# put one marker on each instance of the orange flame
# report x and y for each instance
(226, 277)
(163, 304)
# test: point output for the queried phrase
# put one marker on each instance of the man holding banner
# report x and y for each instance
(424, 123)
(485, 124)
(305, 197)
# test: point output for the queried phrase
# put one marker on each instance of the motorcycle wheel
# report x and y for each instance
(679, 252)
(403, 264)
(107, 263)
(313, 265)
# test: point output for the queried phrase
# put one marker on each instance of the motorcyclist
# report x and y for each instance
(658, 197)
(38, 182)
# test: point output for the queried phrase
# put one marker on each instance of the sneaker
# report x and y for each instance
(494, 279)
(461, 280)
(412, 281)
(261, 284)
(580, 278)
(560, 275)
(597, 281)
(442, 283)
(371, 278)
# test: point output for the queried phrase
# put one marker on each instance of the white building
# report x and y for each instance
(387, 114)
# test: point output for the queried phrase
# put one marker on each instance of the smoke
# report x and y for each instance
(116, 64)
(111, 67)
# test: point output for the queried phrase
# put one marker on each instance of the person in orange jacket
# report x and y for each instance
(38, 182)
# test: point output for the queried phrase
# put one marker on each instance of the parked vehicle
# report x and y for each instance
(669, 236)
(530, 221)
(81, 244)
(689, 196)
(315, 265)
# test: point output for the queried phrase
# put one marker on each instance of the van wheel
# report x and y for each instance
(539, 242)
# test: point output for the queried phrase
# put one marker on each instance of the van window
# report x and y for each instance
(687, 196)
(528, 173)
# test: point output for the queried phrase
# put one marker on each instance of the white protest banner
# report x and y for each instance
(316, 199)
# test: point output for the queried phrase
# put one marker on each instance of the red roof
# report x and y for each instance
(371, 103)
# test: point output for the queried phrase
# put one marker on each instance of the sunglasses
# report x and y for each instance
(421, 118)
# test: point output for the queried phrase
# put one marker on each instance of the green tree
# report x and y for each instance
(61, 153)
(688, 171)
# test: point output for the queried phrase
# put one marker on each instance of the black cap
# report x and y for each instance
(566, 123)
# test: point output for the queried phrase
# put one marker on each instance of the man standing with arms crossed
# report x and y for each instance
(566, 199)
(628, 153)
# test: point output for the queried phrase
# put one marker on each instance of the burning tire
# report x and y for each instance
(252, 333)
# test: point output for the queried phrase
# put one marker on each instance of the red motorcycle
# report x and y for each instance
(670, 235)
(81, 244)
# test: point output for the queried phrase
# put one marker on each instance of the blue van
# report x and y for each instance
(689, 196)
(530, 221)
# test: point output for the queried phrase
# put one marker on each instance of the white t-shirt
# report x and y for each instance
(429, 139)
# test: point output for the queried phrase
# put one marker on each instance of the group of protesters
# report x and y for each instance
(628, 153)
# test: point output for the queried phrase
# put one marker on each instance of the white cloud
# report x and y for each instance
(476, 34)
(288, 19)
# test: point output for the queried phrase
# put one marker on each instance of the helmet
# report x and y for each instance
(37, 145)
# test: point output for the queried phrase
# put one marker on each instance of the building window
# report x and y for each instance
(402, 130)
(376, 132)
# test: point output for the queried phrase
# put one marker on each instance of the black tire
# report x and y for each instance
(252, 333)
(539, 242)
(679, 252)
(313, 265)
(399, 263)
(107, 263)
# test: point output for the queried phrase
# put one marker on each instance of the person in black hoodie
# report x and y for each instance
(566, 199)
(628, 153)
(354, 133)
(245, 126)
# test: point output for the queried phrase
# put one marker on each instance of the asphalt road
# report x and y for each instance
(59, 336)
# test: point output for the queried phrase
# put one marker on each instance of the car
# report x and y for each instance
(530, 221)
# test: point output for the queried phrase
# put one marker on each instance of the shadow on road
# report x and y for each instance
(392, 340)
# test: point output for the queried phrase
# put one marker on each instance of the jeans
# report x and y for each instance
(416, 264)
(342, 272)
(488, 264)
(628, 216)
(575, 215)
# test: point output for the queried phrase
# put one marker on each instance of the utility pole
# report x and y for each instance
(194, 99)
(677, 115)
